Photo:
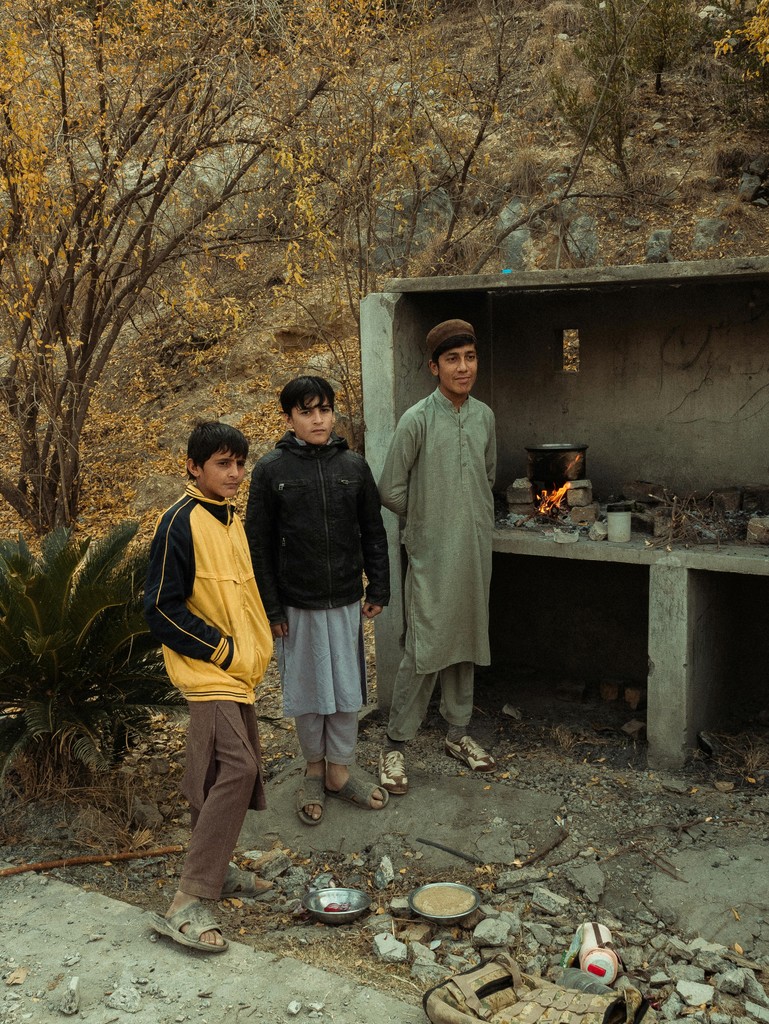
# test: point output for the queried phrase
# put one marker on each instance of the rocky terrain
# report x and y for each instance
(580, 829)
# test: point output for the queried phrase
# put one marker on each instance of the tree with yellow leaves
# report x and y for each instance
(134, 137)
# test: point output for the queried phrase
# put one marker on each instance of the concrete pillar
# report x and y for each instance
(377, 313)
(686, 659)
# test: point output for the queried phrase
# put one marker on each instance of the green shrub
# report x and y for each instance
(79, 671)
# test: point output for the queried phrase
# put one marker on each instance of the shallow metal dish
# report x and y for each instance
(445, 918)
(316, 901)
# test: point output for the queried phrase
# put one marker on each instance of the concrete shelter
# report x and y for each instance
(671, 385)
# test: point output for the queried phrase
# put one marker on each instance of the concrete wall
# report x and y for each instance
(673, 387)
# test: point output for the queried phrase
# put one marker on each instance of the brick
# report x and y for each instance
(755, 499)
(642, 522)
(729, 499)
(635, 697)
(643, 491)
(520, 492)
(609, 689)
(635, 729)
(584, 514)
(579, 494)
(758, 530)
(662, 522)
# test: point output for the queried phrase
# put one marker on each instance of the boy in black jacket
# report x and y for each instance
(314, 526)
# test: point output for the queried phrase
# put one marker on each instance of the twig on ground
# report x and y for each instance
(543, 850)
(456, 853)
(101, 858)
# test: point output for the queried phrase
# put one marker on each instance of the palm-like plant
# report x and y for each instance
(79, 671)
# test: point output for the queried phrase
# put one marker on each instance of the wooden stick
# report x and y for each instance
(96, 858)
(455, 853)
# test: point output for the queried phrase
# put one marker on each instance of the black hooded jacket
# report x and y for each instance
(314, 526)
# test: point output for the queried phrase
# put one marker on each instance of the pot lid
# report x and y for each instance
(556, 448)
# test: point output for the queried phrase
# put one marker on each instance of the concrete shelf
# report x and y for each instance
(738, 558)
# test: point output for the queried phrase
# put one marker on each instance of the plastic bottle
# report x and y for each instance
(573, 977)
(596, 953)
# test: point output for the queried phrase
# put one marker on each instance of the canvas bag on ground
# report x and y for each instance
(498, 992)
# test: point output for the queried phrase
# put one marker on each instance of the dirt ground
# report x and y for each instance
(562, 751)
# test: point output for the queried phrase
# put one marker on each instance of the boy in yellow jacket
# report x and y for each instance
(202, 603)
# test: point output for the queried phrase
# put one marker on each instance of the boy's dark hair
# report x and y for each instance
(302, 391)
(210, 437)
(452, 343)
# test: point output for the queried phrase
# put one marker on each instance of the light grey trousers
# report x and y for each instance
(412, 693)
(328, 737)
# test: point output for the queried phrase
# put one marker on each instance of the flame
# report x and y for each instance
(549, 502)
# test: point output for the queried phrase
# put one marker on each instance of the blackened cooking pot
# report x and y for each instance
(554, 464)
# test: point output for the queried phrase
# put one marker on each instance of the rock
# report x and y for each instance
(541, 933)
(549, 901)
(418, 951)
(491, 932)
(582, 240)
(390, 950)
(294, 1007)
(126, 996)
(708, 232)
(694, 993)
(758, 1012)
(658, 247)
(587, 878)
(428, 974)
(385, 873)
(70, 1001)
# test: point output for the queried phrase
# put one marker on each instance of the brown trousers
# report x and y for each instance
(222, 780)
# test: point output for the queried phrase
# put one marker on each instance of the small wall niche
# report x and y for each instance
(570, 350)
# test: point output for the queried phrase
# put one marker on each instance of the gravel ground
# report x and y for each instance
(619, 835)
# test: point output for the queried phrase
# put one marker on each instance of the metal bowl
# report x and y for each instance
(452, 888)
(317, 901)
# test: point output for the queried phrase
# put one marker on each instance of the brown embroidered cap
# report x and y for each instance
(447, 331)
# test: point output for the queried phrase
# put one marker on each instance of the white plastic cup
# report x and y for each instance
(596, 955)
(619, 527)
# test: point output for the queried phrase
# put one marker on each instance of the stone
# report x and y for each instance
(491, 932)
(419, 931)
(758, 1012)
(672, 1006)
(582, 240)
(731, 981)
(587, 878)
(748, 188)
(125, 996)
(658, 246)
(390, 950)
(687, 972)
(70, 1001)
(695, 993)
(708, 232)
(428, 974)
(385, 873)
(418, 951)
(549, 902)
(379, 923)
(754, 990)
(542, 933)
(271, 864)
(598, 531)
